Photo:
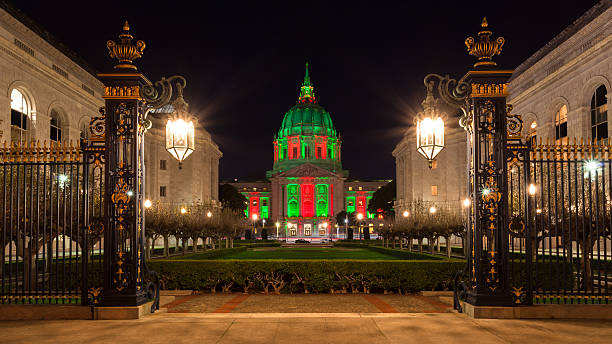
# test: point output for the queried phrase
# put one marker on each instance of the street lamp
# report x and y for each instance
(406, 213)
(254, 217)
(429, 128)
(180, 131)
(148, 203)
(183, 210)
(432, 210)
(277, 226)
(346, 227)
(359, 218)
(209, 214)
(532, 189)
(466, 202)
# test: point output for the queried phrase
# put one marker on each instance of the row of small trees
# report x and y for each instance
(199, 221)
(425, 220)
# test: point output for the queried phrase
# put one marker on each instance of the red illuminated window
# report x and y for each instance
(307, 200)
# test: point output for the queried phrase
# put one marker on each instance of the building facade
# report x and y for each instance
(561, 92)
(48, 94)
(307, 187)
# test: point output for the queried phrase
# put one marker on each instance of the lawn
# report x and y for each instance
(309, 253)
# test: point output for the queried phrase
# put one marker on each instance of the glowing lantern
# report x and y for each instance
(429, 128)
(180, 131)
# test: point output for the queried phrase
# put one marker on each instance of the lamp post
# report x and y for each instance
(254, 218)
(481, 97)
(277, 227)
(263, 228)
(359, 218)
(346, 227)
(117, 140)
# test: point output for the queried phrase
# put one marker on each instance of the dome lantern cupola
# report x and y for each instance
(307, 134)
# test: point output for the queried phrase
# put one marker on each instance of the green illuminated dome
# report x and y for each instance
(307, 135)
(307, 117)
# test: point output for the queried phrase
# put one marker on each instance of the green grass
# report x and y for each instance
(309, 253)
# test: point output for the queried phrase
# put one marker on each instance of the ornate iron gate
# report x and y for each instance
(52, 210)
(560, 220)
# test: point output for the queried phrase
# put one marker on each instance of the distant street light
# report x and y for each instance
(532, 189)
(209, 214)
(433, 210)
(406, 213)
(183, 210)
(277, 226)
(466, 202)
(147, 203)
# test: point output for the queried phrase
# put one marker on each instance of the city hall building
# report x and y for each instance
(307, 186)
(561, 92)
(49, 94)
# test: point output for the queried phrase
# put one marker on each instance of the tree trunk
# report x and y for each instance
(394, 242)
(184, 243)
(463, 247)
(431, 241)
(585, 269)
(220, 242)
(232, 242)
(147, 251)
(195, 245)
(166, 246)
(401, 240)
(448, 246)
(226, 242)
(438, 244)
(420, 245)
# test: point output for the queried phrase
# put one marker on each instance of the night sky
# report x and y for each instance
(244, 61)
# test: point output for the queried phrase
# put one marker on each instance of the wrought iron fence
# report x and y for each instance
(560, 222)
(51, 218)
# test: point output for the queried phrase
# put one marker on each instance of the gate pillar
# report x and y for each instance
(488, 257)
(487, 183)
(123, 180)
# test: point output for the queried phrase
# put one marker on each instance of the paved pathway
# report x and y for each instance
(311, 303)
(308, 328)
(303, 319)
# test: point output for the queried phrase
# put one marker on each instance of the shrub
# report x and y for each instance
(308, 276)
(407, 255)
(212, 254)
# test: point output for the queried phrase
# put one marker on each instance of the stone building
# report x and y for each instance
(307, 186)
(48, 93)
(561, 92)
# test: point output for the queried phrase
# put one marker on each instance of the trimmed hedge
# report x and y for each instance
(318, 276)
(402, 254)
(211, 254)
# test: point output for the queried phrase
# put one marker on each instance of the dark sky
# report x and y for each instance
(244, 60)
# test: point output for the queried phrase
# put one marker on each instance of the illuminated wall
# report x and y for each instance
(307, 200)
(293, 199)
(322, 200)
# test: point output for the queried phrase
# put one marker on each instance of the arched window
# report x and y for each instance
(561, 124)
(533, 137)
(55, 132)
(599, 114)
(83, 132)
(20, 110)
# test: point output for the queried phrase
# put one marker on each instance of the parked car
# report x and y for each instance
(302, 241)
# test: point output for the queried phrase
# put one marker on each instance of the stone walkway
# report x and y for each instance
(303, 319)
(312, 303)
(304, 329)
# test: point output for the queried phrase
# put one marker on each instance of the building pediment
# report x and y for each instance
(307, 170)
